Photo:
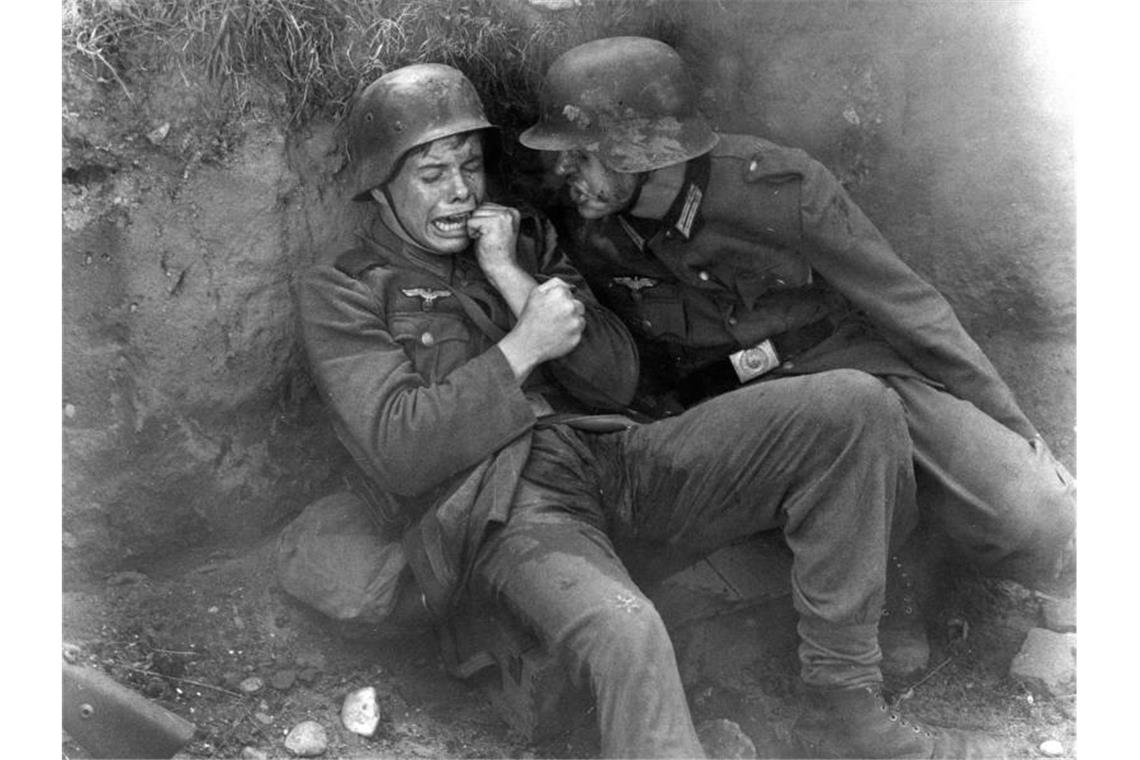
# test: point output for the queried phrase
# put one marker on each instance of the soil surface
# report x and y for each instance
(188, 631)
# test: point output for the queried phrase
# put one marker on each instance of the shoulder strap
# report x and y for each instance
(356, 261)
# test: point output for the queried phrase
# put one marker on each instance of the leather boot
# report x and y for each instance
(838, 723)
(902, 629)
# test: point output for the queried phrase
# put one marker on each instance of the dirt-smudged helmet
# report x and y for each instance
(628, 99)
(405, 108)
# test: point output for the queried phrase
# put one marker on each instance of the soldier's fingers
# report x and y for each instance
(554, 283)
(493, 210)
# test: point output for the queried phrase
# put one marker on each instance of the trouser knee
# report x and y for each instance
(625, 634)
(860, 402)
(1047, 532)
(852, 394)
(1027, 534)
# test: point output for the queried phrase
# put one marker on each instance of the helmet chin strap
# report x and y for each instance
(642, 178)
(407, 235)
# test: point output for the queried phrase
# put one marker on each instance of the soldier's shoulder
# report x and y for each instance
(760, 158)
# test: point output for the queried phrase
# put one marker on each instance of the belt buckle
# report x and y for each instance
(753, 362)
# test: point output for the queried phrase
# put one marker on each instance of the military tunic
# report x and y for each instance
(495, 502)
(763, 243)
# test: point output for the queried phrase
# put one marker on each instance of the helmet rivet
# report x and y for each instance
(398, 126)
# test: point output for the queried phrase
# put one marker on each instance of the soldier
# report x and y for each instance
(456, 348)
(739, 263)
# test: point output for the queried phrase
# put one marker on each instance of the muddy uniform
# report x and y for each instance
(763, 244)
(495, 498)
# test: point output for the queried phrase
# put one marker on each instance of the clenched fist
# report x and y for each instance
(495, 230)
(550, 326)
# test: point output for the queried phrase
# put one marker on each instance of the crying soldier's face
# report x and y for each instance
(595, 189)
(436, 190)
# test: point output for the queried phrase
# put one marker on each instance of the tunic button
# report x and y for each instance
(780, 281)
(703, 275)
(732, 321)
(646, 324)
(427, 339)
(789, 365)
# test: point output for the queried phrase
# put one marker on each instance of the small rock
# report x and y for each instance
(1047, 663)
(724, 738)
(1051, 748)
(253, 753)
(263, 718)
(307, 739)
(251, 685)
(69, 411)
(360, 712)
(159, 133)
(1059, 615)
(313, 660)
(283, 679)
(129, 576)
(554, 5)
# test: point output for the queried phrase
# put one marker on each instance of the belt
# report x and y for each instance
(792, 343)
(719, 376)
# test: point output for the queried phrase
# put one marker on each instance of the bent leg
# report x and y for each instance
(826, 458)
(558, 574)
(1005, 502)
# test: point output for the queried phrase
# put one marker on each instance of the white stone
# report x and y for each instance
(554, 5)
(1052, 748)
(724, 738)
(307, 739)
(251, 685)
(360, 713)
(159, 133)
(1047, 663)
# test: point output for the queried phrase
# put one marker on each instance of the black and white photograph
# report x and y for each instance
(572, 379)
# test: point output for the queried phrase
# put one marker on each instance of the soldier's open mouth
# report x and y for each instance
(451, 224)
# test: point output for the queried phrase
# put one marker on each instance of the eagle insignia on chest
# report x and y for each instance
(426, 295)
(635, 284)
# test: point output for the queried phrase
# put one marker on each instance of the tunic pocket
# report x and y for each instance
(436, 343)
(663, 316)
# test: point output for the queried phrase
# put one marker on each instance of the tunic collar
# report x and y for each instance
(683, 217)
(381, 235)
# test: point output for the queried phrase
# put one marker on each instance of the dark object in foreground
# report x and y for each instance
(110, 720)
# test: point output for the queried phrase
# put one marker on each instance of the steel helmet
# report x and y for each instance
(410, 106)
(628, 99)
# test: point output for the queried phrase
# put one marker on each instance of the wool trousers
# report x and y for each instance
(826, 459)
